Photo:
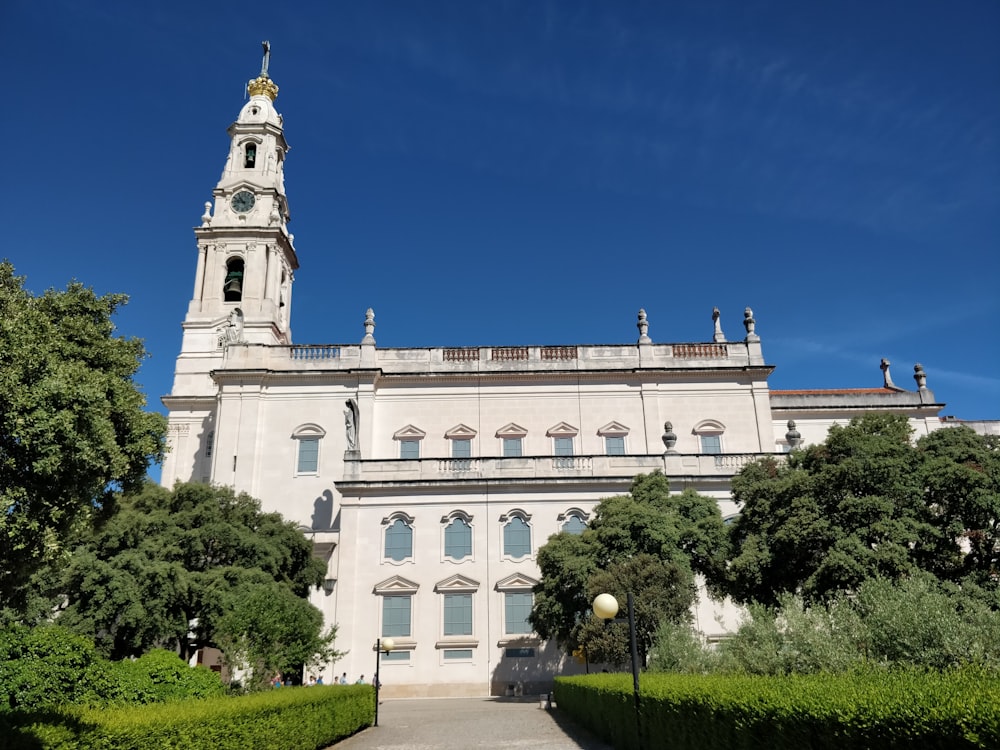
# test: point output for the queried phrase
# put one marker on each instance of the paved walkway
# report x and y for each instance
(469, 724)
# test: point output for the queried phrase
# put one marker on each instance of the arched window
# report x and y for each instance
(516, 534)
(232, 287)
(307, 437)
(398, 537)
(574, 524)
(458, 537)
(709, 432)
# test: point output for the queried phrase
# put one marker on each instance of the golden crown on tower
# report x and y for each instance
(262, 84)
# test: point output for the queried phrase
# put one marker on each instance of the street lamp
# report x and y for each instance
(606, 607)
(382, 645)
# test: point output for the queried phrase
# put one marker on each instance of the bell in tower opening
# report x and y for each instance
(232, 289)
(251, 156)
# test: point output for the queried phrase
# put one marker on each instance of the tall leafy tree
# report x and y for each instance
(865, 503)
(649, 542)
(171, 565)
(73, 430)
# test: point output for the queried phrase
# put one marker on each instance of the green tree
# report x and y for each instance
(73, 430)
(863, 504)
(170, 565)
(649, 542)
(271, 631)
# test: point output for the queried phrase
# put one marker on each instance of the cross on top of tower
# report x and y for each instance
(267, 58)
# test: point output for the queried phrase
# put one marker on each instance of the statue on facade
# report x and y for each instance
(718, 336)
(351, 424)
(232, 331)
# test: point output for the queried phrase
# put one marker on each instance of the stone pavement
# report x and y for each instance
(470, 724)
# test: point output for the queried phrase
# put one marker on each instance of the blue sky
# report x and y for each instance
(535, 172)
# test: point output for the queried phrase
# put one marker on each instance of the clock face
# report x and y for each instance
(243, 201)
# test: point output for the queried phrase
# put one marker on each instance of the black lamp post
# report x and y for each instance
(606, 607)
(382, 645)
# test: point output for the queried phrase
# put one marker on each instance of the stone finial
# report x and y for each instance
(719, 337)
(669, 437)
(920, 376)
(793, 436)
(886, 377)
(369, 327)
(750, 324)
(206, 218)
(643, 326)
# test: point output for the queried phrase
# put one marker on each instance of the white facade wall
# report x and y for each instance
(244, 397)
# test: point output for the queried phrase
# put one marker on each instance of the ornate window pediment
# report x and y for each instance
(516, 582)
(563, 429)
(613, 429)
(308, 430)
(511, 430)
(409, 433)
(396, 585)
(582, 514)
(708, 426)
(456, 584)
(515, 513)
(460, 432)
(461, 514)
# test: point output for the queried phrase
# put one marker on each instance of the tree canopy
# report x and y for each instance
(73, 430)
(171, 568)
(649, 542)
(867, 503)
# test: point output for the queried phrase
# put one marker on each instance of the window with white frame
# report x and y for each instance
(614, 438)
(458, 536)
(512, 440)
(516, 609)
(461, 448)
(709, 433)
(461, 437)
(563, 436)
(512, 447)
(409, 439)
(516, 534)
(396, 615)
(307, 439)
(457, 614)
(398, 537)
(573, 523)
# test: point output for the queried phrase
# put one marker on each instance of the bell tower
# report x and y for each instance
(246, 259)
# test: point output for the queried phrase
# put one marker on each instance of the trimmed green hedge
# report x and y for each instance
(285, 719)
(863, 711)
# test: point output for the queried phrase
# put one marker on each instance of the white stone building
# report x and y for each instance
(428, 478)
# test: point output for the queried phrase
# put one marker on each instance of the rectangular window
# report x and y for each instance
(711, 444)
(564, 446)
(457, 653)
(396, 656)
(519, 653)
(409, 449)
(512, 447)
(458, 614)
(517, 607)
(614, 445)
(308, 455)
(396, 616)
(461, 449)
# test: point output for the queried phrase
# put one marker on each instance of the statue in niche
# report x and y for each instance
(351, 424)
